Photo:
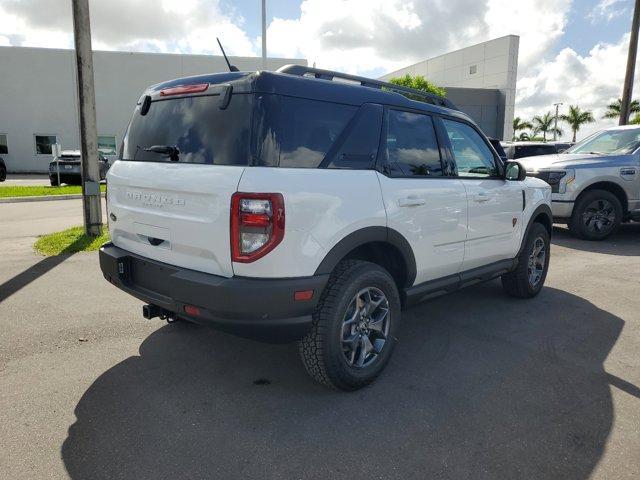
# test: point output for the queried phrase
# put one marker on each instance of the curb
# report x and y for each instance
(43, 198)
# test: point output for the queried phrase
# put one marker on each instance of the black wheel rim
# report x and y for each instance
(599, 216)
(365, 327)
(537, 258)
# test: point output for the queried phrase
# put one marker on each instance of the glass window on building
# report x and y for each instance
(107, 145)
(44, 143)
(3, 144)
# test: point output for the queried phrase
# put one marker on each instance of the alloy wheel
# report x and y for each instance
(599, 216)
(537, 257)
(365, 327)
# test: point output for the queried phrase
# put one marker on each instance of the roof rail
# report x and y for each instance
(302, 71)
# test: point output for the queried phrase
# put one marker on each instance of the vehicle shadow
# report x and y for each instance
(481, 386)
(626, 241)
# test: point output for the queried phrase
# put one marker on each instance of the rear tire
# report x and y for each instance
(53, 181)
(3, 173)
(596, 215)
(528, 278)
(354, 326)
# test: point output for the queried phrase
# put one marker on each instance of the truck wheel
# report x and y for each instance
(596, 215)
(527, 279)
(354, 326)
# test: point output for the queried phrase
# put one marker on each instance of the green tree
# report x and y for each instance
(635, 120)
(519, 124)
(545, 124)
(418, 82)
(576, 118)
(613, 109)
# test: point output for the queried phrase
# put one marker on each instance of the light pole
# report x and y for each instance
(555, 126)
(89, 168)
(264, 34)
(625, 107)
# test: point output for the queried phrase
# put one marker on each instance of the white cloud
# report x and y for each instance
(591, 81)
(188, 26)
(607, 10)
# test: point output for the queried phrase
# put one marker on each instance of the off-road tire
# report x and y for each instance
(516, 283)
(576, 224)
(321, 349)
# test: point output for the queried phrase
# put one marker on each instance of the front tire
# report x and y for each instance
(527, 279)
(596, 215)
(354, 327)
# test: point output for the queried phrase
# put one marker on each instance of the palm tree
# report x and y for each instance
(613, 109)
(544, 124)
(519, 124)
(576, 118)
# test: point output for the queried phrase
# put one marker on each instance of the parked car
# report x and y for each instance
(596, 183)
(497, 145)
(516, 150)
(68, 164)
(3, 170)
(287, 206)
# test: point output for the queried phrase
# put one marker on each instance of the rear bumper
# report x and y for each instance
(263, 309)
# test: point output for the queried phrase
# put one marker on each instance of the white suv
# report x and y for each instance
(287, 206)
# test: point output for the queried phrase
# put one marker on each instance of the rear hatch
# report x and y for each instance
(171, 190)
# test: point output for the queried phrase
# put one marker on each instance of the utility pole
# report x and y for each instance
(555, 126)
(625, 107)
(89, 167)
(264, 34)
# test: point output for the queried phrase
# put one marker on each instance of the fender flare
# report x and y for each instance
(543, 209)
(368, 235)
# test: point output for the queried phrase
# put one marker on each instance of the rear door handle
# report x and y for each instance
(411, 201)
(481, 197)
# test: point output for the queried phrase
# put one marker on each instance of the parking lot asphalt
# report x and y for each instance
(481, 385)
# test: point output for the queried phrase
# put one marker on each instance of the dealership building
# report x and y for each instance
(38, 103)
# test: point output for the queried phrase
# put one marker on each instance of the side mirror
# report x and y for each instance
(514, 171)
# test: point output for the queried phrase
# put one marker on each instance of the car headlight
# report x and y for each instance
(560, 179)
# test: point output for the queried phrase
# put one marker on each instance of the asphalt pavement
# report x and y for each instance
(481, 385)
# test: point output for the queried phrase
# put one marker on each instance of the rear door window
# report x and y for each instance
(412, 146)
(196, 126)
(297, 132)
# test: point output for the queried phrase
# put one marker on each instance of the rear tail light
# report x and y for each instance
(257, 225)
(184, 89)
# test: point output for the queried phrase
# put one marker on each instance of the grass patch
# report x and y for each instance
(69, 241)
(40, 191)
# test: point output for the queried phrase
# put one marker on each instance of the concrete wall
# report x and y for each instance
(490, 65)
(38, 93)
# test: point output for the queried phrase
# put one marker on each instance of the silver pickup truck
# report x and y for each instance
(595, 184)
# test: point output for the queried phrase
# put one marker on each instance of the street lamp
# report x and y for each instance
(555, 126)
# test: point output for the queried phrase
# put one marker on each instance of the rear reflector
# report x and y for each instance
(191, 310)
(303, 295)
(184, 89)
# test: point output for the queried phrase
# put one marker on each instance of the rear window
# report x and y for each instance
(533, 150)
(196, 126)
(297, 132)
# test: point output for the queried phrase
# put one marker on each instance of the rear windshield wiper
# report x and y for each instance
(170, 151)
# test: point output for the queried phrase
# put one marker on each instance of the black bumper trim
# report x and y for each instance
(263, 309)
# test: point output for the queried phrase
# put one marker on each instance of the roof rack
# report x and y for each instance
(302, 71)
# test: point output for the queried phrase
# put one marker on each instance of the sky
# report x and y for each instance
(571, 51)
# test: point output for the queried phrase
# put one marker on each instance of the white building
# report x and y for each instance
(38, 104)
(490, 66)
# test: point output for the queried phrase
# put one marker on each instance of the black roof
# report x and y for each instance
(314, 88)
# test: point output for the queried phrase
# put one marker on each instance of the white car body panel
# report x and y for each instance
(431, 213)
(322, 206)
(495, 220)
(187, 206)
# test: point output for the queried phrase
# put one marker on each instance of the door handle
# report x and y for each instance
(411, 201)
(481, 197)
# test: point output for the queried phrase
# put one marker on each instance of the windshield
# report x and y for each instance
(191, 130)
(609, 142)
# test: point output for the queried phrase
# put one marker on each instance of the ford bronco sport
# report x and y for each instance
(289, 206)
